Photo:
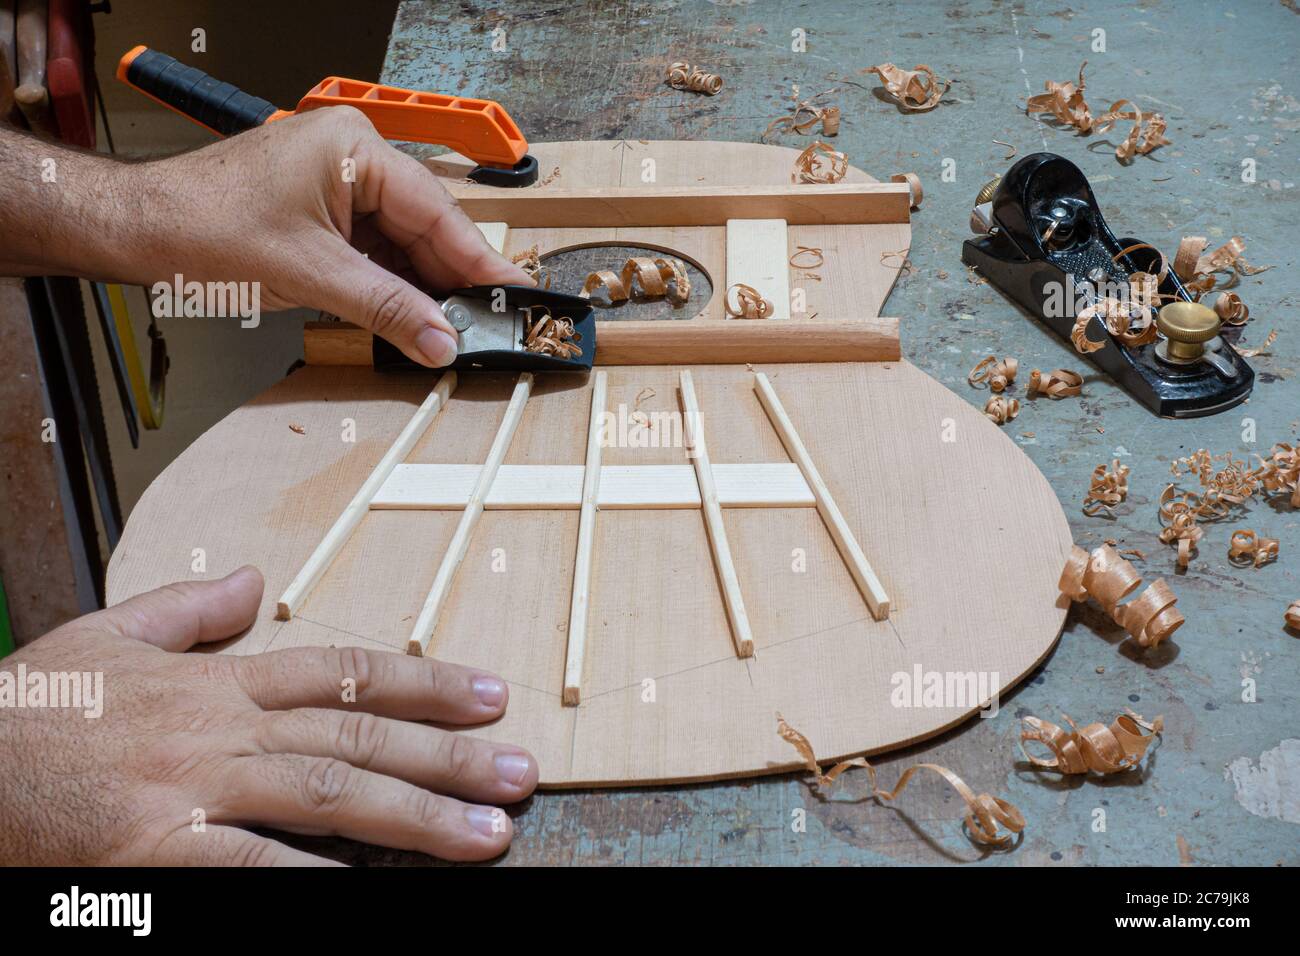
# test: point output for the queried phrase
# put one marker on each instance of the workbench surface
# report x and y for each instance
(1223, 786)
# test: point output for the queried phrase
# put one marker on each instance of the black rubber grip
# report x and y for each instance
(216, 105)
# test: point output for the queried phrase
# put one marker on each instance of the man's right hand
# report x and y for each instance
(193, 748)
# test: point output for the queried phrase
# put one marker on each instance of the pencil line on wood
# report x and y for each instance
(579, 607)
(347, 522)
(854, 557)
(717, 531)
(422, 633)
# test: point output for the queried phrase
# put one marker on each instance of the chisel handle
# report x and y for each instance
(220, 107)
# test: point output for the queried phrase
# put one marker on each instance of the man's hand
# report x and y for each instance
(233, 742)
(296, 205)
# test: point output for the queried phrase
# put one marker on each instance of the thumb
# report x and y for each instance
(366, 293)
(177, 616)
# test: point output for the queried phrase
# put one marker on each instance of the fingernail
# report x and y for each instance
(488, 821)
(437, 347)
(490, 691)
(511, 768)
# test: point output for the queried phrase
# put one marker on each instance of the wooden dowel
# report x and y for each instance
(422, 633)
(347, 522)
(735, 603)
(683, 342)
(616, 206)
(581, 602)
(850, 551)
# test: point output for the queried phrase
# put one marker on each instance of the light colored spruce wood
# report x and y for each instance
(872, 590)
(347, 522)
(267, 496)
(758, 255)
(699, 452)
(422, 633)
(419, 487)
(686, 342)
(494, 233)
(580, 604)
(798, 204)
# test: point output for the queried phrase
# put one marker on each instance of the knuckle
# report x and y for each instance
(361, 738)
(353, 663)
(425, 811)
(326, 784)
(456, 757)
(251, 850)
(390, 308)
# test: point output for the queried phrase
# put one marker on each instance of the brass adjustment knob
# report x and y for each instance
(1187, 326)
(987, 190)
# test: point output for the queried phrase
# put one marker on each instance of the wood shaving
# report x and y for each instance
(1230, 309)
(297, 429)
(750, 303)
(1109, 487)
(914, 190)
(1178, 515)
(1246, 547)
(1109, 578)
(905, 267)
(654, 277)
(984, 812)
(1224, 491)
(1292, 616)
(804, 115)
(548, 335)
(1065, 102)
(1280, 472)
(1094, 748)
(916, 90)
(1000, 409)
(549, 178)
(1199, 270)
(997, 374)
(683, 76)
(530, 261)
(998, 142)
(819, 163)
(1058, 383)
(807, 252)
(1261, 349)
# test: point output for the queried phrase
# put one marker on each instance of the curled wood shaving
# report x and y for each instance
(1108, 488)
(1261, 349)
(293, 427)
(1198, 270)
(530, 261)
(653, 276)
(1094, 748)
(914, 190)
(1132, 323)
(1058, 383)
(1280, 472)
(1178, 515)
(683, 76)
(905, 267)
(984, 812)
(998, 142)
(1292, 616)
(750, 303)
(1109, 579)
(804, 116)
(1065, 102)
(548, 335)
(819, 163)
(1229, 308)
(1000, 409)
(916, 90)
(1246, 547)
(549, 178)
(998, 374)
(808, 252)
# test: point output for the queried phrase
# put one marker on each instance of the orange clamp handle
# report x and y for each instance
(480, 130)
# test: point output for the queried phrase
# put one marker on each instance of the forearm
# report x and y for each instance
(66, 211)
